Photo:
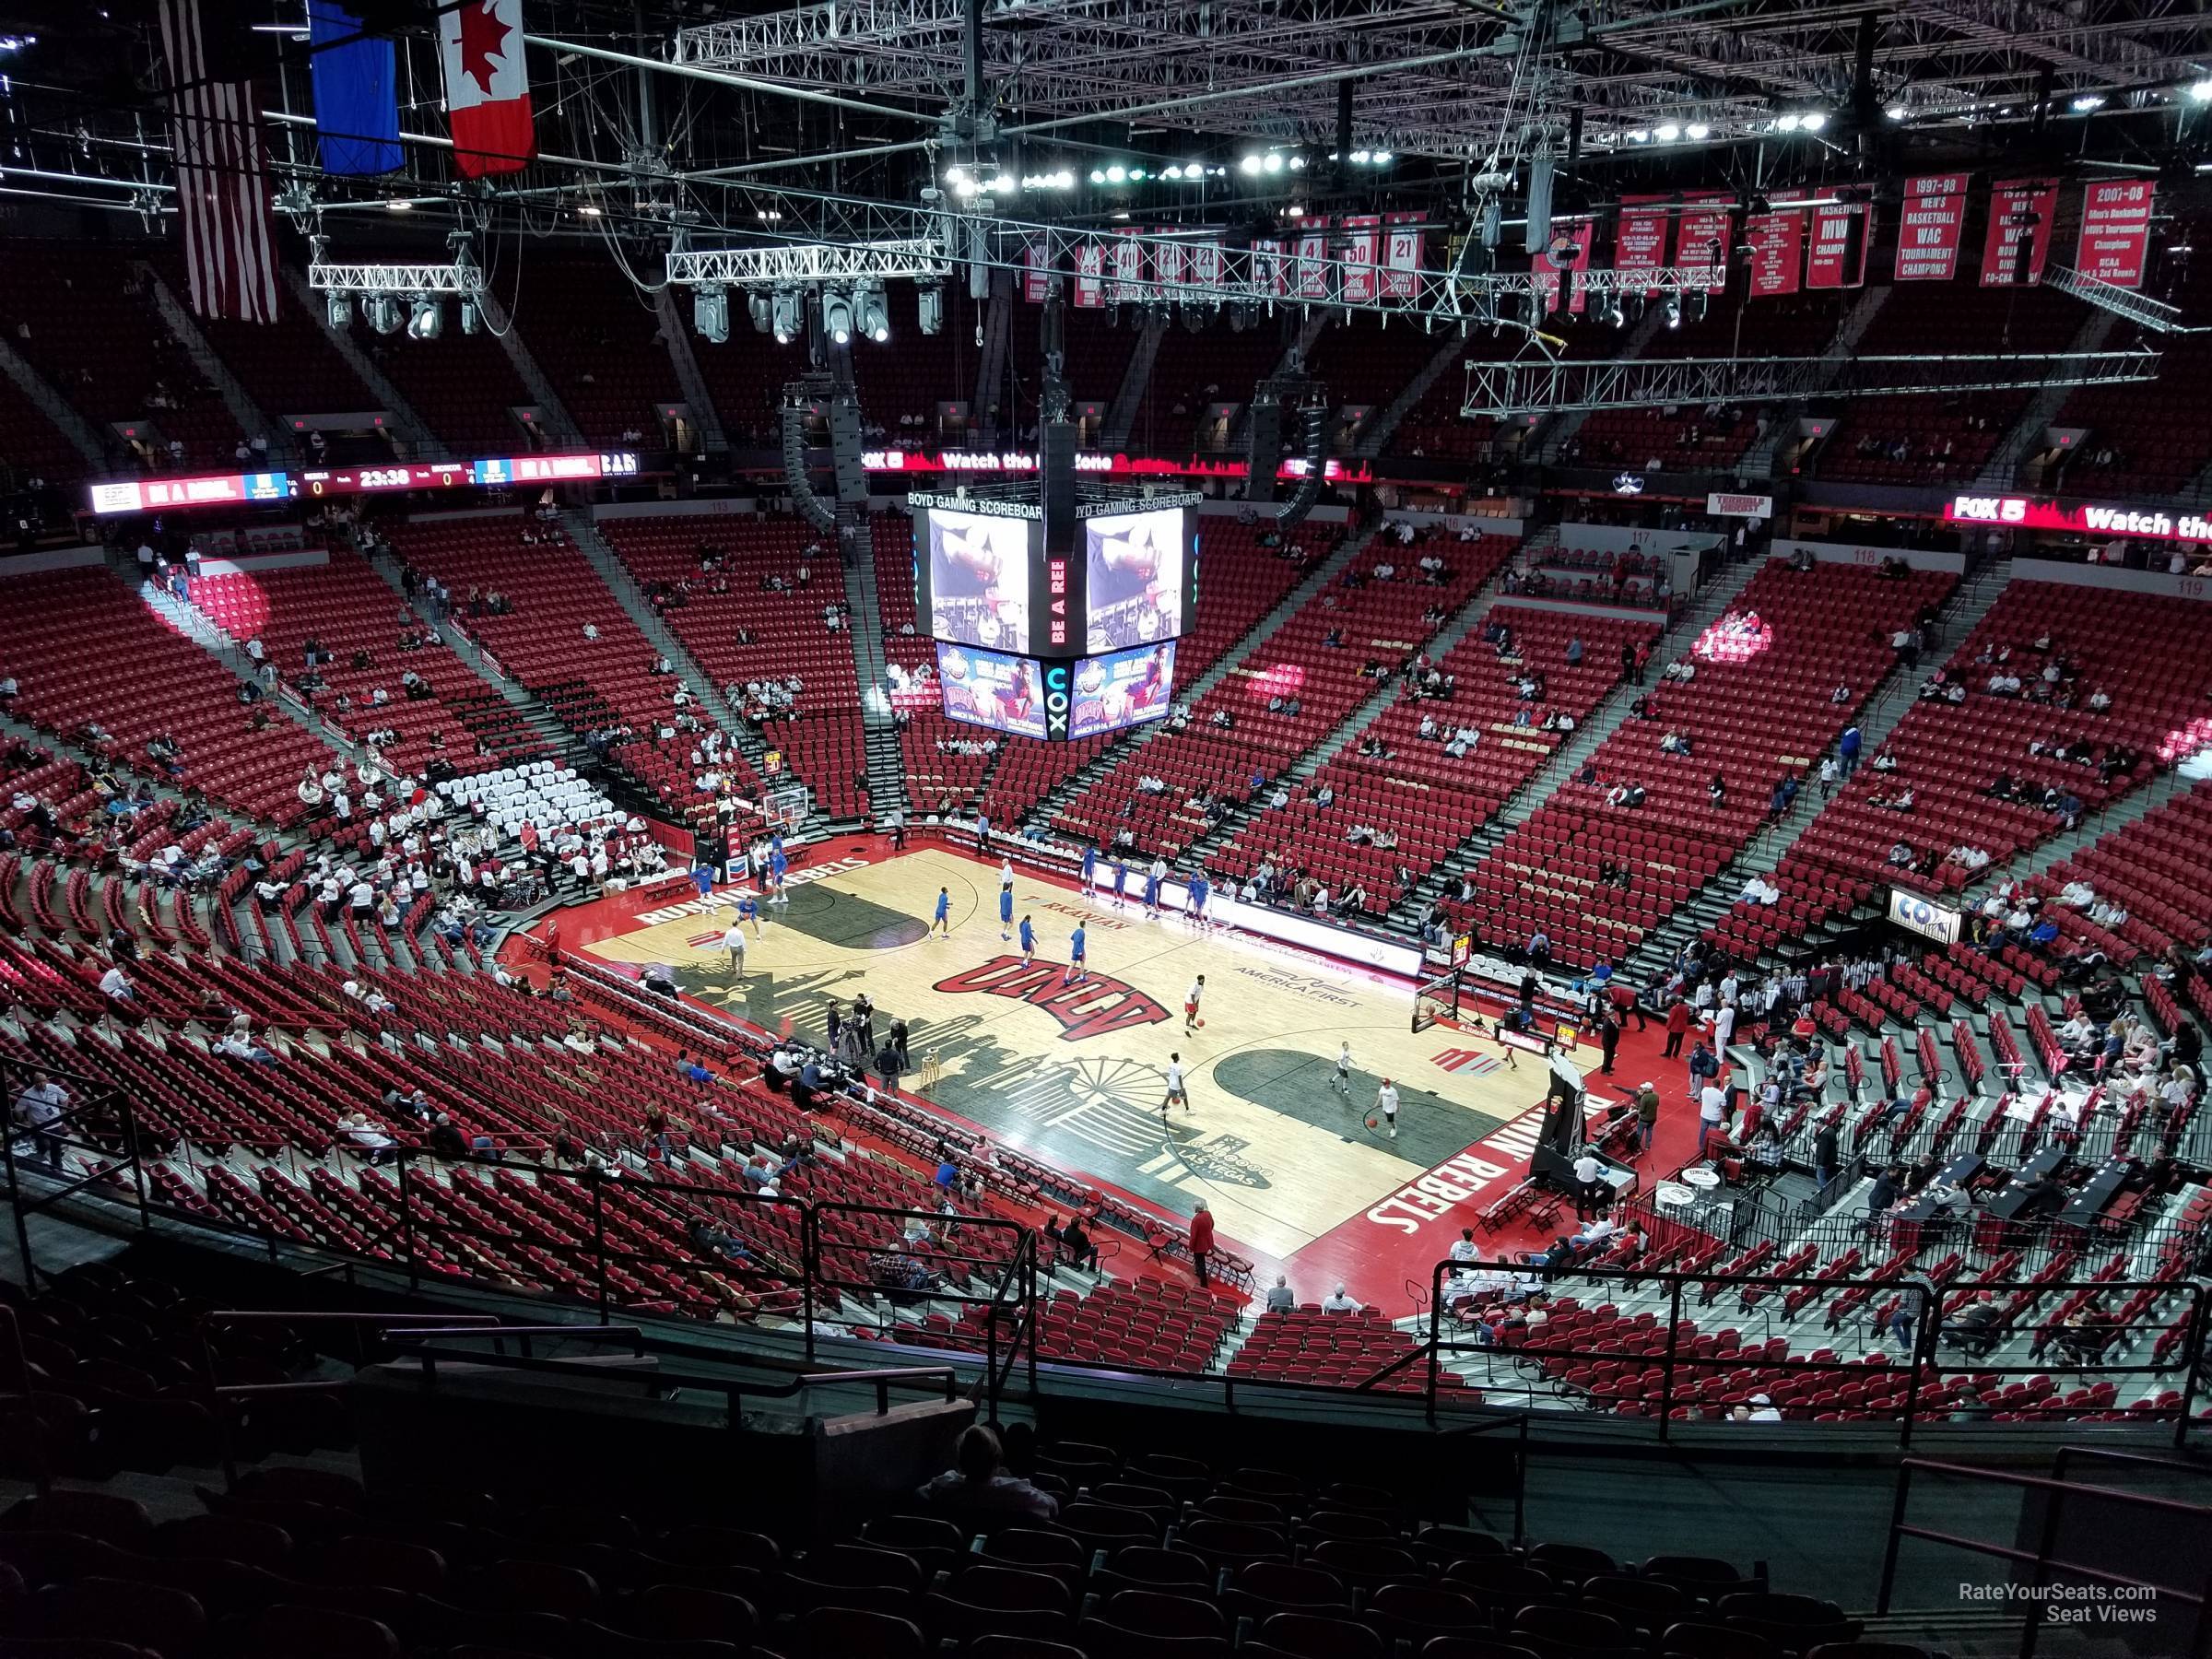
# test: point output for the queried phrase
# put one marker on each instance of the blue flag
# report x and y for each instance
(357, 97)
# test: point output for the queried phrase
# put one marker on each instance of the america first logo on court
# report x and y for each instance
(1091, 1008)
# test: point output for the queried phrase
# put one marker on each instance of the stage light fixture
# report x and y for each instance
(1117, 174)
(1812, 121)
(1359, 157)
(1097, 176)
(929, 308)
(711, 311)
(1382, 159)
(1174, 171)
(1666, 131)
(384, 313)
(1693, 305)
(1897, 111)
(1616, 315)
(1250, 164)
(1674, 313)
(837, 315)
(758, 307)
(2200, 91)
(1788, 123)
(1271, 162)
(873, 312)
(426, 319)
(472, 317)
(2087, 102)
(788, 315)
(338, 309)
(1638, 135)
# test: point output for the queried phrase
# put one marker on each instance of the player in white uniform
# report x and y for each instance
(1343, 1068)
(1191, 998)
(1176, 1095)
(1386, 1107)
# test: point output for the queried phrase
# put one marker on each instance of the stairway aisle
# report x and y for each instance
(1605, 720)
(879, 737)
(1969, 603)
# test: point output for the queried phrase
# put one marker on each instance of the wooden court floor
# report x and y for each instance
(1077, 1073)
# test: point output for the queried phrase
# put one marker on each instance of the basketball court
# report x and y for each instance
(1075, 1072)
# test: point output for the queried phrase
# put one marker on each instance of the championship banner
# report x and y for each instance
(1202, 264)
(1933, 227)
(1402, 255)
(1036, 272)
(1776, 242)
(1703, 240)
(1091, 265)
(1830, 260)
(2020, 211)
(1639, 240)
(1358, 239)
(1577, 233)
(2116, 232)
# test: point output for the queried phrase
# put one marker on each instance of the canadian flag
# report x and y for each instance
(486, 87)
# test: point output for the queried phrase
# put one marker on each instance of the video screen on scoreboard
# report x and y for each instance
(991, 688)
(1125, 688)
(1137, 567)
(979, 579)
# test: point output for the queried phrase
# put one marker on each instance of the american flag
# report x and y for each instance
(222, 183)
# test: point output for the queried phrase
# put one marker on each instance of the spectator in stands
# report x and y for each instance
(1339, 1301)
(116, 986)
(978, 1487)
(40, 1107)
(1201, 1238)
(1977, 1327)
(1678, 1026)
(1713, 1115)
(1281, 1299)
(370, 1143)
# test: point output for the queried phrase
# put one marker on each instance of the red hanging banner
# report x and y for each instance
(1270, 270)
(1933, 227)
(1128, 261)
(1313, 263)
(1701, 240)
(1836, 256)
(1575, 233)
(1091, 265)
(2116, 232)
(1776, 242)
(1036, 272)
(1639, 240)
(2020, 211)
(1357, 240)
(1402, 256)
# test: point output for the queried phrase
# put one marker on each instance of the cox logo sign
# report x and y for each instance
(1056, 681)
(1938, 922)
(1990, 509)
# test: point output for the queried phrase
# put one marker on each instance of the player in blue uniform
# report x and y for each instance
(1152, 879)
(1076, 967)
(704, 874)
(941, 923)
(1121, 880)
(1091, 867)
(748, 910)
(1029, 943)
(777, 865)
(1194, 903)
(1005, 911)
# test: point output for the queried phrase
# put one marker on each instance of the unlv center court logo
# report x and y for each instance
(1091, 1008)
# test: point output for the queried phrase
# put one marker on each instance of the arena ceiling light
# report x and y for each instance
(711, 311)
(338, 308)
(384, 313)
(929, 308)
(837, 315)
(1666, 131)
(2200, 91)
(874, 313)
(426, 318)
(1249, 165)
(2085, 102)
(1698, 132)
(472, 317)
(786, 314)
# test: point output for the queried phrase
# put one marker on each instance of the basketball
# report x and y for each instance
(1200, 1024)
(1371, 1120)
